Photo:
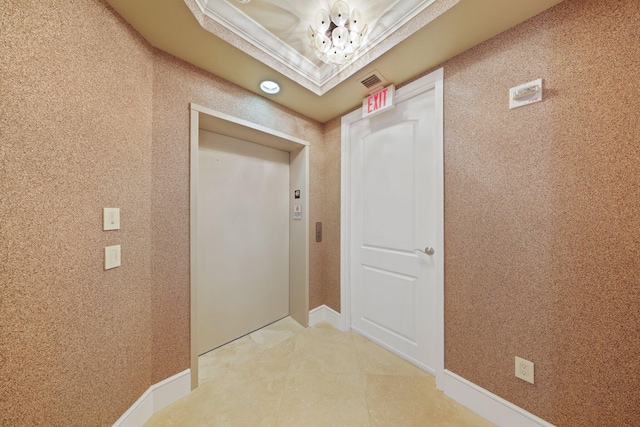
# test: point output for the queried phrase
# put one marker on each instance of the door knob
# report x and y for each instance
(428, 250)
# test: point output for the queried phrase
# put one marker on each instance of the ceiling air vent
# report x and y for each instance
(372, 81)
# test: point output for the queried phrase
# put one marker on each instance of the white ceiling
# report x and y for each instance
(278, 28)
(246, 43)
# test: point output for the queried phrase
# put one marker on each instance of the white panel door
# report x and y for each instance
(243, 242)
(394, 210)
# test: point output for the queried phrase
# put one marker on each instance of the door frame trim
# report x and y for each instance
(434, 80)
(202, 118)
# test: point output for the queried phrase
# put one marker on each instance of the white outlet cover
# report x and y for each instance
(111, 219)
(111, 257)
(524, 369)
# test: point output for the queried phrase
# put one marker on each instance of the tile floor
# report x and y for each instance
(286, 375)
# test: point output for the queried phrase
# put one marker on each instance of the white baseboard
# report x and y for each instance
(157, 397)
(486, 404)
(324, 314)
(495, 409)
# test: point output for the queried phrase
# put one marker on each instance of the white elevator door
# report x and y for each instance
(243, 241)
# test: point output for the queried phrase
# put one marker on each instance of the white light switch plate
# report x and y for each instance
(111, 257)
(111, 219)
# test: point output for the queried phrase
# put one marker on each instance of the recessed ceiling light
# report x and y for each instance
(270, 87)
(243, 1)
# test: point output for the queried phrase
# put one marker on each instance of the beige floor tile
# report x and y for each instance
(376, 360)
(277, 332)
(275, 360)
(397, 401)
(286, 324)
(216, 362)
(238, 398)
(323, 400)
(287, 375)
(323, 325)
(321, 350)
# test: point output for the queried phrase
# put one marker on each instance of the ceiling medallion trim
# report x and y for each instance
(262, 45)
(265, 43)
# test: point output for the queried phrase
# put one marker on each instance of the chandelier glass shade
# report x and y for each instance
(335, 36)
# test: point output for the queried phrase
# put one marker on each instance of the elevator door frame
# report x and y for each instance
(217, 122)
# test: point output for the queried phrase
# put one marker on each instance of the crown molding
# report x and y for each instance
(396, 23)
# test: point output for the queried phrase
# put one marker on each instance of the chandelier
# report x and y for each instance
(335, 36)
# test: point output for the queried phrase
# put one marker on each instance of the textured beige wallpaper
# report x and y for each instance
(176, 85)
(331, 190)
(92, 117)
(542, 232)
(75, 137)
(595, 242)
(541, 214)
(498, 296)
(316, 206)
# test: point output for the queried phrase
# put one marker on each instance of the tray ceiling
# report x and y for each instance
(277, 29)
(246, 43)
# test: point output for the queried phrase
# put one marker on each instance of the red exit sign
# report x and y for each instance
(378, 102)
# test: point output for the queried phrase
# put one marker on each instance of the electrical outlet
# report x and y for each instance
(524, 369)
